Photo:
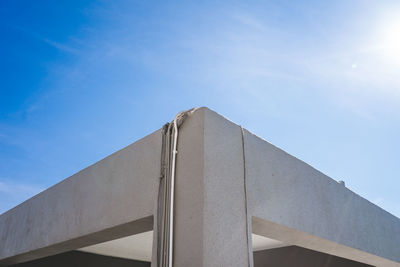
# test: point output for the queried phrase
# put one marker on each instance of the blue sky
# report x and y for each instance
(82, 79)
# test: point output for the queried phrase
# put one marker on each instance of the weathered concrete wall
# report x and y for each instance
(112, 198)
(224, 231)
(295, 203)
(189, 193)
(286, 200)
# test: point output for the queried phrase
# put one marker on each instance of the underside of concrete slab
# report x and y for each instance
(300, 257)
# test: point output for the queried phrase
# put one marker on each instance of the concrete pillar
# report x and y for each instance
(210, 216)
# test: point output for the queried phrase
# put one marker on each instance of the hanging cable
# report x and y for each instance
(166, 195)
(245, 196)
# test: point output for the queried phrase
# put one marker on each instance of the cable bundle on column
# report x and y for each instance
(165, 213)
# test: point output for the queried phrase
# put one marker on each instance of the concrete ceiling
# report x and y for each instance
(262, 243)
(139, 246)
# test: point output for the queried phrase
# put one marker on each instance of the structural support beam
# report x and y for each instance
(114, 197)
(229, 183)
(295, 203)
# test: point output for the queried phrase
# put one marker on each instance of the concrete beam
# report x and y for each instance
(112, 198)
(295, 203)
(286, 199)
(227, 186)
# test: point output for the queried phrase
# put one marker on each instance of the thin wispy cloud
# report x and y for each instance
(60, 46)
(64, 47)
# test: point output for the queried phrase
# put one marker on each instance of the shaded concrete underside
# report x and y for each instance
(300, 257)
(83, 259)
(282, 257)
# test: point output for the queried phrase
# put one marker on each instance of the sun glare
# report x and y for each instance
(390, 42)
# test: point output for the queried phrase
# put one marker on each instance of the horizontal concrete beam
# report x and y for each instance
(117, 194)
(132, 228)
(295, 203)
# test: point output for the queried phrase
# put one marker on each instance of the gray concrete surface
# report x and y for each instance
(300, 257)
(287, 200)
(318, 212)
(82, 259)
(210, 209)
(110, 199)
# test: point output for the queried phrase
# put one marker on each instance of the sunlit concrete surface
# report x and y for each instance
(134, 247)
(139, 246)
(233, 190)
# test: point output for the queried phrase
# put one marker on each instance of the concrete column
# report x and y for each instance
(210, 218)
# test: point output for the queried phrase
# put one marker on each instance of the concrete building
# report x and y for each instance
(225, 198)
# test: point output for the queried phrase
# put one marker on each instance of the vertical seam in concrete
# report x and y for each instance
(245, 197)
(203, 185)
